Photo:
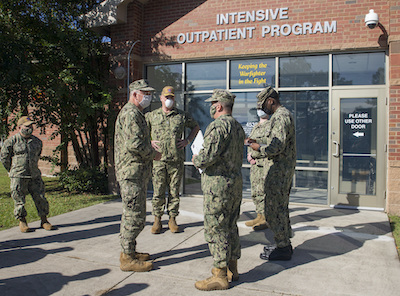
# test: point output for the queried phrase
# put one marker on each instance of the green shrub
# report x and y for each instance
(93, 180)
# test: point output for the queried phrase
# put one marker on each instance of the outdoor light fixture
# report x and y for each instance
(119, 72)
(371, 19)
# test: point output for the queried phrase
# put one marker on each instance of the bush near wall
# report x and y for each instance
(93, 180)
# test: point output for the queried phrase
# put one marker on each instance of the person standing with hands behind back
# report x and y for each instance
(167, 126)
(133, 159)
(20, 156)
(221, 162)
(281, 149)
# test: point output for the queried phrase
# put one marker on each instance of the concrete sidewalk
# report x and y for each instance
(336, 252)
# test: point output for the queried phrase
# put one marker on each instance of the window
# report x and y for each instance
(256, 73)
(163, 75)
(359, 69)
(309, 104)
(306, 71)
(205, 76)
(310, 111)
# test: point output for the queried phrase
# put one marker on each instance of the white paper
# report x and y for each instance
(197, 145)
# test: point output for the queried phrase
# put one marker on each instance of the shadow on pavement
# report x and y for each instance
(47, 283)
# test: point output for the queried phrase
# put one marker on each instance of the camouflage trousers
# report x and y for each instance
(257, 180)
(166, 175)
(20, 187)
(277, 190)
(133, 219)
(221, 212)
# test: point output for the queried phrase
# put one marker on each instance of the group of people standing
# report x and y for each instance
(152, 145)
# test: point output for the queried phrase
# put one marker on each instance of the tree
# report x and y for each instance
(53, 65)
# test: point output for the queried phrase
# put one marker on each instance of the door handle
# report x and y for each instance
(336, 154)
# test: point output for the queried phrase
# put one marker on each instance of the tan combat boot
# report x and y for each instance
(251, 223)
(219, 281)
(142, 256)
(172, 225)
(45, 224)
(232, 272)
(156, 229)
(23, 225)
(129, 263)
(261, 225)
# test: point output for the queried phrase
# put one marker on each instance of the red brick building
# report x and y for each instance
(340, 79)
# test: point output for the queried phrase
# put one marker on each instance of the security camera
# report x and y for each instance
(371, 19)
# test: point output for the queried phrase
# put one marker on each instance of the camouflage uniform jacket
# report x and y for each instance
(222, 152)
(259, 133)
(168, 128)
(281, 146)
(132, 146)
(20, 156)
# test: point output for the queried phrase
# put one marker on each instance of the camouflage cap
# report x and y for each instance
(25, 121)
(220, 95)
(266, 93)
(140, 85)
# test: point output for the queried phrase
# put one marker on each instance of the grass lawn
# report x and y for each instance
(395, 225)
(60, 201)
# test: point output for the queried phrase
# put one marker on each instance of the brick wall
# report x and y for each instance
(393, 176)
(167, 19)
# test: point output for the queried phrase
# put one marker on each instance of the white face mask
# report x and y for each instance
(169, 103)
(145, 101)
(262, 114)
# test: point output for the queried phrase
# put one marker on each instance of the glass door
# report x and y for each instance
(358, 148)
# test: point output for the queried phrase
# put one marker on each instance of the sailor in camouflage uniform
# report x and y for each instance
(258, 163)
(221, 162)
(167, 125)
(281, 149)
(133, 159)
(20, 156)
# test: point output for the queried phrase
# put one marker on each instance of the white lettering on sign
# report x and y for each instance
(358, 121)
(262, 15)
(252, 16)
(299, 29)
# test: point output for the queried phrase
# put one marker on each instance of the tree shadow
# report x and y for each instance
(128, 289)
(44, 283)
(342, 240)
(61, 237)
(25, 256)
(315, 249)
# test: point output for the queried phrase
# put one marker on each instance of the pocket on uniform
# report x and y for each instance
(19, 148)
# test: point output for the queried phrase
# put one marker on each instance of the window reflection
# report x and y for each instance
(205, 76)
(200, 111)
(163, 75)
(303, 71)
(359, 69)
(310, 110)
(245, 110)
(358, 127)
